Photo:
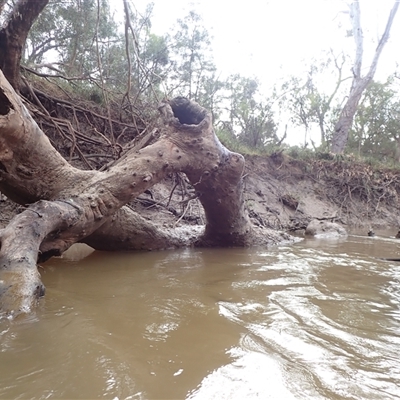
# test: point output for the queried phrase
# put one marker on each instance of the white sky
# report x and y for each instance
(258, 37)
(273, 38)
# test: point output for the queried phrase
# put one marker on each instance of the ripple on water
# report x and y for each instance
(318, 319)
(313, 321)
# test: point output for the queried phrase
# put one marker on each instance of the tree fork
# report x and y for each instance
(66, 205)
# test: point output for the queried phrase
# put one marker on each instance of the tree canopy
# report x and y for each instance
(82, 48)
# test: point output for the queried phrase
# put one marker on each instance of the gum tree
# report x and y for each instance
(359, 82)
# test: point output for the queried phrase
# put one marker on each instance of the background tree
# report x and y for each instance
(359, 82)
(191, 54)
(248, 117)
(147, 64)
(307, 100)
(376, 127)
(299, 101)
(68, 33)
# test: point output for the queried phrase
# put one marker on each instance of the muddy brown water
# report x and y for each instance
(316, 320)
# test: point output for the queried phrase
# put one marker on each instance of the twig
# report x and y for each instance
(183, 214)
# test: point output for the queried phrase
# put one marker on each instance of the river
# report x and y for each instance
(316, 320)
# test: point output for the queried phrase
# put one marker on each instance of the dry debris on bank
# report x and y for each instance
(286, 193)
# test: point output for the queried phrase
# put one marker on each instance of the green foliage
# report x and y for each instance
(309, 101)
(70, 31)
(376, 128)
(133, 69)
(249, 118)
(301, 153)
(193, 70)
(231, 142)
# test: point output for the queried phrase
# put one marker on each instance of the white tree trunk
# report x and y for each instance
(343, 125)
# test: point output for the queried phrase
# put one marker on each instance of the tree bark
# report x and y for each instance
(343, 125)
(345, 121)
(13, 36)
(66, 205)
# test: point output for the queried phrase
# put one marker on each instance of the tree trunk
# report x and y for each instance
(343, 125)
(66, 205)
(13, 36)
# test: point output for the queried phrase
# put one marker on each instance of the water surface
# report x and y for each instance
(316, 320)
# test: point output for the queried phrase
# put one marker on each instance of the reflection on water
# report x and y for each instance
(317, 320)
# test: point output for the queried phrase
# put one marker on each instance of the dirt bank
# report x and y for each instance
(283, 193)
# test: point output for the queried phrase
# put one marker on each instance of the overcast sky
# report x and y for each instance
(266, 38)
(276, 38)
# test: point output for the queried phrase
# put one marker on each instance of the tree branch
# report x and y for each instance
(382, 41)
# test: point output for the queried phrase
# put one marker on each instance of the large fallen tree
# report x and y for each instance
(66, 205)
(63, 205)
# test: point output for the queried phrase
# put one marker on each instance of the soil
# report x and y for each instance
(282, 194)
